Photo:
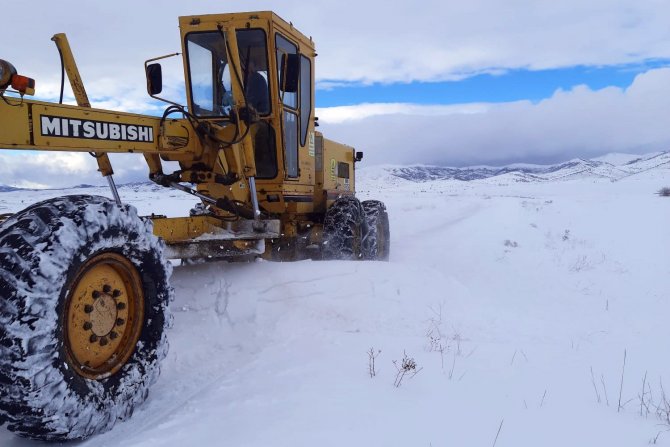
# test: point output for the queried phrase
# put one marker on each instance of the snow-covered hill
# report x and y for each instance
(612, 166)
(516, 299)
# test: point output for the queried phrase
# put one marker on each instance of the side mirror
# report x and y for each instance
(359, 156)
(154, 79)
(290, 73)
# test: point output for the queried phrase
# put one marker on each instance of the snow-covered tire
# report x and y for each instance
(376, 244)
(55, 256)
(343, 227)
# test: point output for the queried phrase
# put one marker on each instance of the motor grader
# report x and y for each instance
(84, 286)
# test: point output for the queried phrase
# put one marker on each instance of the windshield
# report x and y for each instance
(210, 72)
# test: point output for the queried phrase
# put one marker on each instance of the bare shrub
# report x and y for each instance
(436, 340)
(406, 366)
(372, 355)
(652, 401)
(498, 432)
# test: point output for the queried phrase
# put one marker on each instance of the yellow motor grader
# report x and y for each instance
(84, 286)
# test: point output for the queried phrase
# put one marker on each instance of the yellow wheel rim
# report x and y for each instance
(104, 314)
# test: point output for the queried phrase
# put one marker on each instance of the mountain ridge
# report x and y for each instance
(613, 166)
(627, 165)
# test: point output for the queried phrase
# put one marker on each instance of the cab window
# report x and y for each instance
(252, 47)
(305, 97)
(211, 93)
(284, 46)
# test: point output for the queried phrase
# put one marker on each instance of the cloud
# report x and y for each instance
(62, 169)
(343, 114)
(368, 42)
(575, 123)
(359, 42)
(42, 169)
(375, 41)
(578, 122)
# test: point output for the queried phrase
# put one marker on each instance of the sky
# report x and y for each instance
(441, 82)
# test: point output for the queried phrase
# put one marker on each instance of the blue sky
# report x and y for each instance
(514, 85)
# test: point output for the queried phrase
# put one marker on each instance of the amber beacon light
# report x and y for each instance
(9, 77)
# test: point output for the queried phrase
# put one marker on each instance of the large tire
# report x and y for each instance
(377, 239)
(73, 271)
(343, 227)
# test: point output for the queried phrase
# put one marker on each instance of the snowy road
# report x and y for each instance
(506, 294)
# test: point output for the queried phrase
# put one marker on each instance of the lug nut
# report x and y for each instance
(113, 335)
(88, 308)
(93, 338)
(120, 321)
(106, 288)
(116, 293)
(88, 326)
(103, 341)
(96, 294)
(120, 306)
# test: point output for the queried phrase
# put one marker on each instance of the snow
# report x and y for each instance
(617, 158)
(506, 293)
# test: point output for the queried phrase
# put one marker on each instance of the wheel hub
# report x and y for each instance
(103, 315)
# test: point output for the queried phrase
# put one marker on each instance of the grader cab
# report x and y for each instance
(84, 280)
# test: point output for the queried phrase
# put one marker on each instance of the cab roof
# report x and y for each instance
(197, 22)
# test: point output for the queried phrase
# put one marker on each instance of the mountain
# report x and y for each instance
(147, 185)
(611, 166)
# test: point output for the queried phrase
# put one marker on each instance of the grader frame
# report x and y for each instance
(84, 281)
(217, 150)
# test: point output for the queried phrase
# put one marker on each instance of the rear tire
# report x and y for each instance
(377, 239)
(343, 228)
(83, 313)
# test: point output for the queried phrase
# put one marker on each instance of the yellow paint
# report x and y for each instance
(205, 153)
(176, 229)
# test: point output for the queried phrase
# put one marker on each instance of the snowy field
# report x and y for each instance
(515, 299)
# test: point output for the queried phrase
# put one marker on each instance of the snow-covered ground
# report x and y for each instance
(517, 301)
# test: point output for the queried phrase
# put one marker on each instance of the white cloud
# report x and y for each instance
(60, 169)
(378, 42)
(341, 114)
(53, 162)
(579, 122)
(370, 41)
(434, 40)
(42, 169)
